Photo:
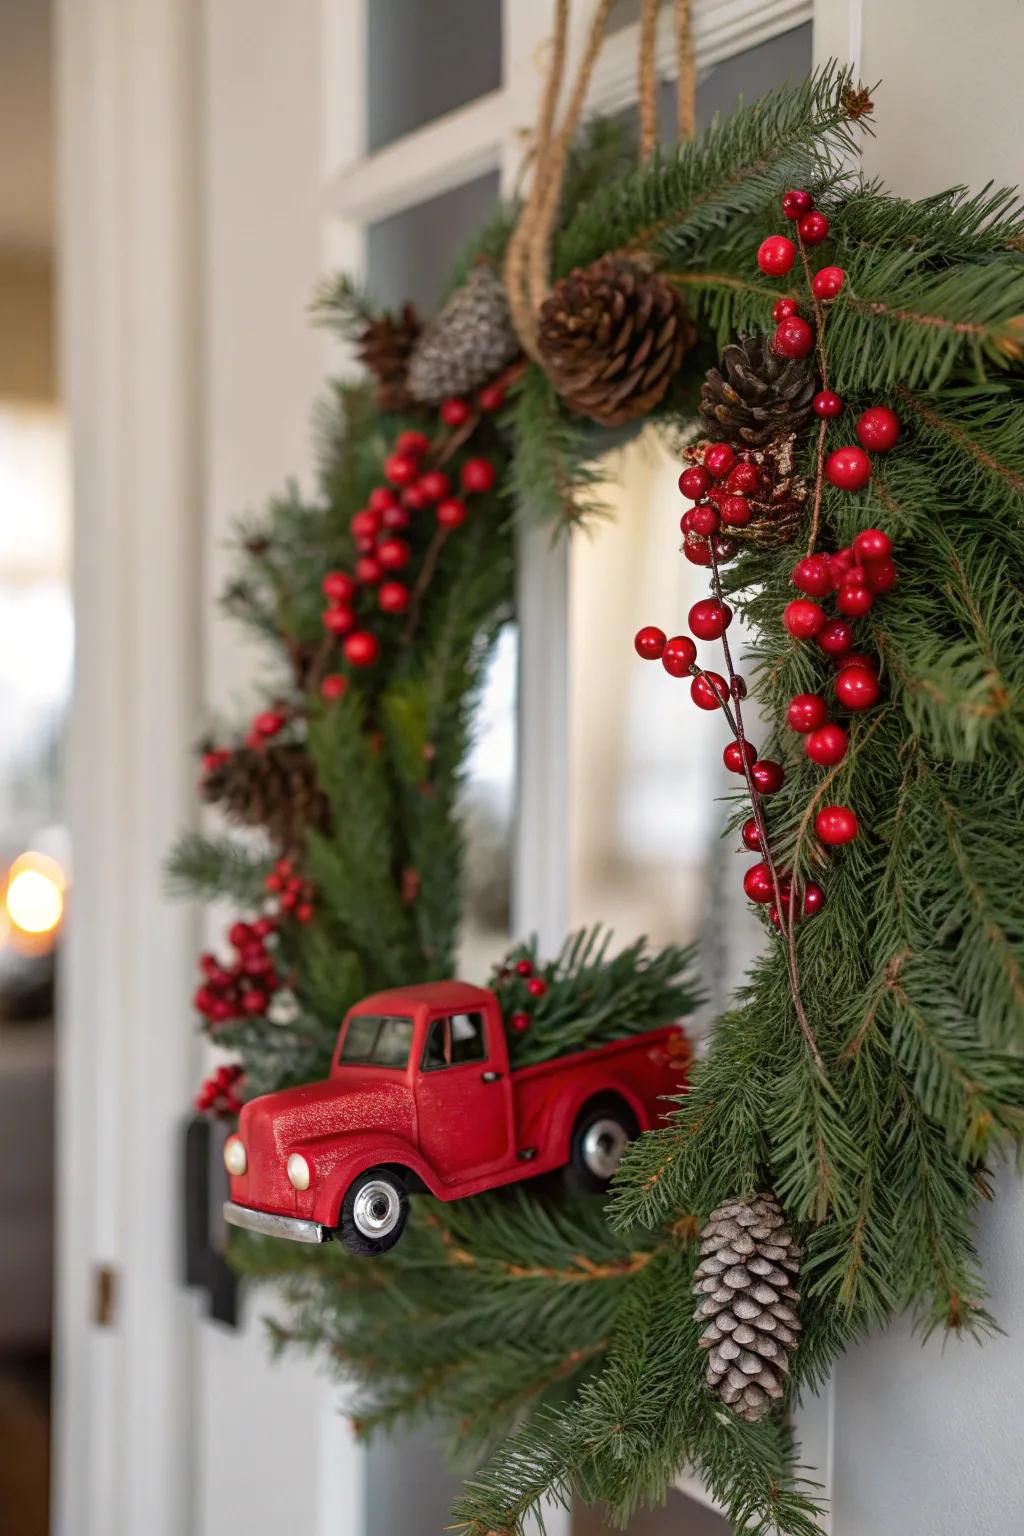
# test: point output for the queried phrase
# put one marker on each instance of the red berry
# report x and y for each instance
(878, 429)
(803, 619)
(413, 443)
(649, 642)
(393, 554)
(338, 586)
(339, 621)
(704, 519)
(796, 203)
(364, 524)
(856, 659)
(254, 1001)
(719, 459)
(848, 468)
(239, 935)
(693, 482)
(304, 912)
(750, 835)
(836, 637)
(814, 898)
(827, 282)
(709, 690)
(269, 722)
(826, 403)
(872, 544)
(813, 228)
(734, 754)
(394, 518)
(434, 484)
(758, 884)
(735, 511)
(414, 499)
(768, 776)
(454, 412)
(368, 570)
(812, 575)
(679, 655)
(697, 551)
(393, 597)
(854, 601)
(776, 255)
(793, 338)
(361, 648)
(857, 687)
(380, 498)
(783, 308)
(835, 824)
(880, 575)
(492, 397)
(520, 1022)
(334, 686)
(826, 746)
(401, 468)
(478, 475)
(806, 712)
(743, 479)
(709, 619)
(451, 512)
(724, 548)
(536, 986)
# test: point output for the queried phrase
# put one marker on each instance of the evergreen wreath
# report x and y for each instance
(839, 1133)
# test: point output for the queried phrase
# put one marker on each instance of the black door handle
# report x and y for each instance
(490, 1077)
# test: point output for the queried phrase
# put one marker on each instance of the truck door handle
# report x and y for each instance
(490, 1077)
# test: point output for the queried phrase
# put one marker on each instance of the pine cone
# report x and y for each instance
(754, 395)
(470, 341)
(778, 506)
(611, 337)
(748, 1303)
(273, 787)
(384, 350)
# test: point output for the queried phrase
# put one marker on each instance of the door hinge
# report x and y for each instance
(104, 1295)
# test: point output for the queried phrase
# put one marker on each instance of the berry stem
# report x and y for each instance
(788, 921)
(423, 580)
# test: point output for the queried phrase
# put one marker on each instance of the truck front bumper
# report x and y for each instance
(268, 1224)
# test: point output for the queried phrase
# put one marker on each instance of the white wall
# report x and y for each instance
(927, 1440)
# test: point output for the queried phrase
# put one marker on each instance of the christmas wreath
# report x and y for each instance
(857, 493)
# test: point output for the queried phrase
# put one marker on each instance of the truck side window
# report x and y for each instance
(453, 1040)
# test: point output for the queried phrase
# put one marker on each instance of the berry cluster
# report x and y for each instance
(720, 487)
(244, 987)
(519, 986)
(294, 894)
(413, 487)
(218, 1093)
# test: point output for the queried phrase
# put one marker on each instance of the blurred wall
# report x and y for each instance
(26, 326)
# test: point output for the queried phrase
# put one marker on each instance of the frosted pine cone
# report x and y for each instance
(470, 341)
(748, 1303)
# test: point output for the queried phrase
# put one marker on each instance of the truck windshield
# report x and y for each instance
(379, 1040)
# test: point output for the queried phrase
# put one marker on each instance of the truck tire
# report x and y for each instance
(603, 1131)
(373, 1213)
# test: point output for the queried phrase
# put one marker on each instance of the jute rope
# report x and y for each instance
(526, 269)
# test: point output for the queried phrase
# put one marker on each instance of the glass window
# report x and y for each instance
(454, 1040)
(409, 255)
(378, 1040)
(426, 60)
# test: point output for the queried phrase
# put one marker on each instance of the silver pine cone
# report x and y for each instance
(748, 1302)
(465, 345)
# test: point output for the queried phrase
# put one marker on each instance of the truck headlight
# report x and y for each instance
(298, 1171)
(235, 1160)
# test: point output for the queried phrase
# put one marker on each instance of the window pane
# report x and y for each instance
(410, 255)
(424, 60)
(382, 1041)
(467, 1037)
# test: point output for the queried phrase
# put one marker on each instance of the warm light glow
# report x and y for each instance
(35, 893)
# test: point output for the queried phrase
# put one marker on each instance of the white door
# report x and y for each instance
(218, 155)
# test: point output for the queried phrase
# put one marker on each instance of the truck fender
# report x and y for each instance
(574, 1105)
(355, 1155)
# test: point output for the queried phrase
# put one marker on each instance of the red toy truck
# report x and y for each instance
(420, 1096)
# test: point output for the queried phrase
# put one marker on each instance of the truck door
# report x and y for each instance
(462, 1097)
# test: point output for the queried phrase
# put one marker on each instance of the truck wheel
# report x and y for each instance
(373, 1213)
(602, 1133)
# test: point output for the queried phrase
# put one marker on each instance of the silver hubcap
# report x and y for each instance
(376, 1209)
(603, 1145)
